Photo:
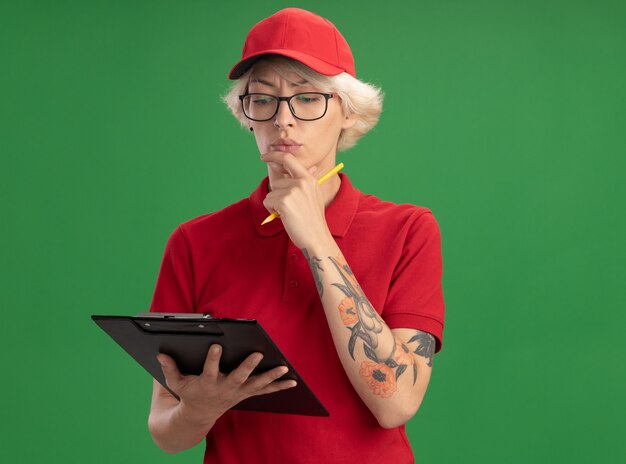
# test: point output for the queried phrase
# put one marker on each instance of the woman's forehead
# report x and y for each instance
(265, 73)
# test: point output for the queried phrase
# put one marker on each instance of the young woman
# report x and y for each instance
(347, 285)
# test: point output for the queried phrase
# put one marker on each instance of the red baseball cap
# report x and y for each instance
(301, 35)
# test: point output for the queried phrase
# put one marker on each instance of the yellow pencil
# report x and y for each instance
(320, 181)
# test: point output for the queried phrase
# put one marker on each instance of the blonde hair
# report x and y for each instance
(361, 98)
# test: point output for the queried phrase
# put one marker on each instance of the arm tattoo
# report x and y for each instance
(368, 323)
(425, 348)
(359, 316)
(425, 345)
(314, 264)
(381, 372)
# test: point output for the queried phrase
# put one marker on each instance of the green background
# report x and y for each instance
(506, 118)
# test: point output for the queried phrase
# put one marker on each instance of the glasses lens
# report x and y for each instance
(308, 105)
(259, 107)
(305, 106)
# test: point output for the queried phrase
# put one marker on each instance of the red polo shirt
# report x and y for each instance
(226, 264)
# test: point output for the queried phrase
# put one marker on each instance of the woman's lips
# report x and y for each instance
(286, 148)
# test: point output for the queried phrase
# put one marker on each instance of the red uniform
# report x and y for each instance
(226, 264)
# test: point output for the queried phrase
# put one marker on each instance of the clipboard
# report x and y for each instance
(186, 337)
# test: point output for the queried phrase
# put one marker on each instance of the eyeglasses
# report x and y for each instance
(307, 106)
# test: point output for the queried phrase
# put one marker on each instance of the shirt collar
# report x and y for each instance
(339, 213)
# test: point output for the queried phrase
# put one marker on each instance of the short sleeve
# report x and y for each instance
(174, 291)
(415, 297)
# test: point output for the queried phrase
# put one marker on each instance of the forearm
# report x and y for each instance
(381, 366)
(173, 429)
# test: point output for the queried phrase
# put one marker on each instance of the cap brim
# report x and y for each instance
(315, 64)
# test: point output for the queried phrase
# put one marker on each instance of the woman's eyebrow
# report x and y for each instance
(269, 84)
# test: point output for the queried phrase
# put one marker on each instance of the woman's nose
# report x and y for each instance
(284, 117)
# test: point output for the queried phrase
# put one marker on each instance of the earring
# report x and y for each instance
(251, 129)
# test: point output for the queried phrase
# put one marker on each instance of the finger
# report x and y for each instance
(289, 162)
(277, 386)
(278, 169)
(284, 183)
(294, 166)
(261, 381)
(289, 182)
(273, 157)
(273, 203)
(243, 371)
(275, 166)
(212, 363)
(172, 375)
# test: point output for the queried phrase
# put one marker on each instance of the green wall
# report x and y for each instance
(506, 118)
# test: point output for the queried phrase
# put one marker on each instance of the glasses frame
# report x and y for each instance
(326, 96)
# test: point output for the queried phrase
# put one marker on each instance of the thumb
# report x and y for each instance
(170, 371)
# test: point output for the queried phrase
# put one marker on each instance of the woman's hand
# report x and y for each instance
(205, 397)
(298, 199)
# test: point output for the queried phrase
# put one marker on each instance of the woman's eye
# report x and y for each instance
(308, 98)
(261, 100)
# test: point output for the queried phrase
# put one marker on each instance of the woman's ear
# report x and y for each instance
(349, 121)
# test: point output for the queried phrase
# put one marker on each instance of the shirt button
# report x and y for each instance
(294, 257)
(293, 283)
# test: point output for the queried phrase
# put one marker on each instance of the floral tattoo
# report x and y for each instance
(364, 323)
(314, 264)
